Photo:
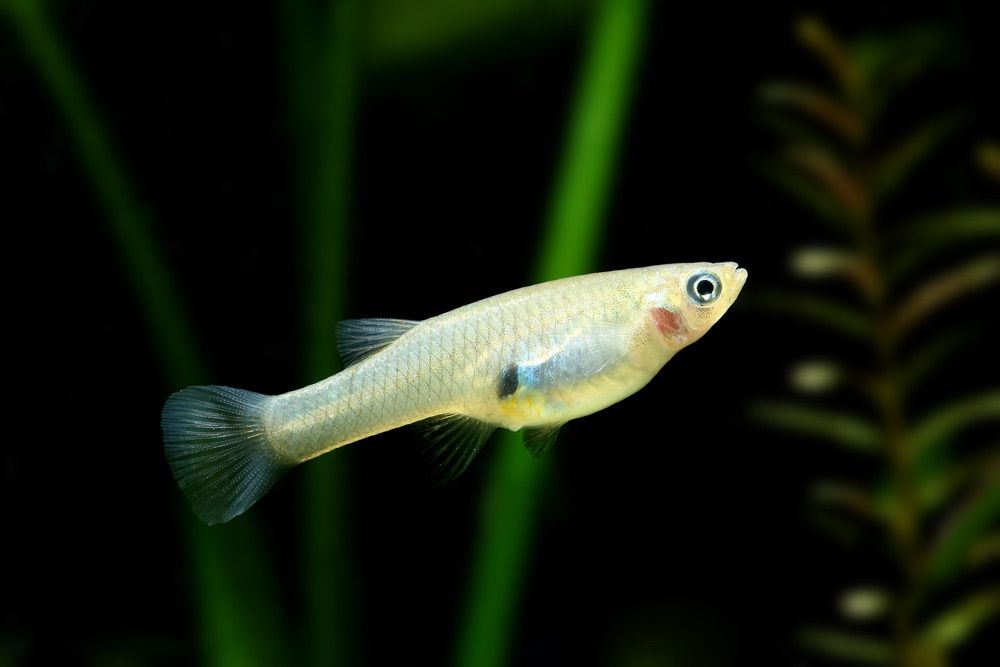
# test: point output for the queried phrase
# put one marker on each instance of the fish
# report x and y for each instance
(530, 359)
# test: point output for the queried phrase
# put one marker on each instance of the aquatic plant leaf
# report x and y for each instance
(974, 222)
(988, 157)
(888, 62)
(815, 104)
(234, 608)
(934, 489)
(942, 290)
(948, 552)
(864, 603)
(809, 194)
(841, 530)
(818, 38)
(833, 315)
(937, 481)
(821, 262)
(977, 222)
(898, 163)
(845, 495)
(940, 231)
(856, 648)
(826, 262)
(794, 129)
(816, 376)
(952, 418)
(322, 54)
(828, 170)
(399, 33)
(958, 624)
(985, 550)
(843, 429)
(929, 356)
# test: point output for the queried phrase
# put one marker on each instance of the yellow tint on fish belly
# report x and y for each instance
(523, 407)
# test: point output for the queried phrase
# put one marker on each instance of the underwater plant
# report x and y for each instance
(572, 236)
(925, 479)
(229, 568)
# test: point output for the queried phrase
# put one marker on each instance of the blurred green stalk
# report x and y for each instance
(238, 614)
(321, 53)
(570, 246)
(129, 224)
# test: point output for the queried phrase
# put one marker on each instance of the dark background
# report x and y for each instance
(672, 523)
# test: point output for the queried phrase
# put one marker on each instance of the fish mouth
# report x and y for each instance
(740, 276)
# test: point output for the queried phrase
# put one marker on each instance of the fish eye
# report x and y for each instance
(704, 287)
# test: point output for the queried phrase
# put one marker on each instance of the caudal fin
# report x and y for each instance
(218, 450)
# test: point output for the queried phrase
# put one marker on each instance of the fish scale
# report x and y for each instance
(532, 358)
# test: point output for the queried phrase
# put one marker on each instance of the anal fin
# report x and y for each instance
(453, 441)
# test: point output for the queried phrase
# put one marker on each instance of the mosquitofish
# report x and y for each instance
(530, 359)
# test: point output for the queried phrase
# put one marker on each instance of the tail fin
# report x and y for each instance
(218, 450)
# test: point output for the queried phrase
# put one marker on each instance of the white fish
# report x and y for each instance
(531, 359)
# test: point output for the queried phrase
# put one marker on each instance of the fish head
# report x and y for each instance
(687, 299)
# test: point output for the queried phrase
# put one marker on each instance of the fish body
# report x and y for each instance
(533, 358)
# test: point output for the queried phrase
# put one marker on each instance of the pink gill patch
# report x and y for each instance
(669, 322)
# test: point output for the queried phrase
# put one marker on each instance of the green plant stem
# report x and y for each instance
(128, 224)
(570, 245)
(905, 525)
(890, 397)
(227, 563)
(322, 72)
(240, 620)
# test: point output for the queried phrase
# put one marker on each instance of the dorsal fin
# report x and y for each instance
(357, 339)
(538, 439)
(453, 441)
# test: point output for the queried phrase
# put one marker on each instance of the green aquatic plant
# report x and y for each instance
(323, 72)
(573, 229)
(932, 486)
(240, 622)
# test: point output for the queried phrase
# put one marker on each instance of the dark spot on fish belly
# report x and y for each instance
(508, 381)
